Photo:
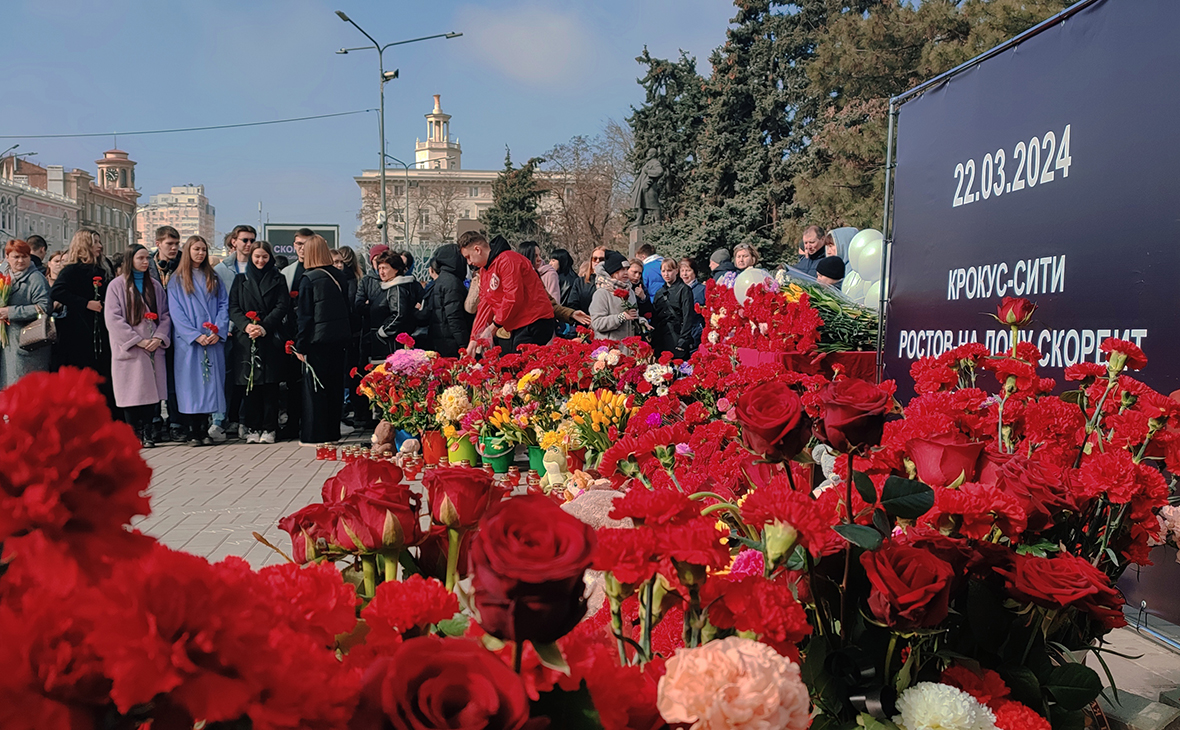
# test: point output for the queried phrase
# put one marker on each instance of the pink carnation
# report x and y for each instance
(733, 684)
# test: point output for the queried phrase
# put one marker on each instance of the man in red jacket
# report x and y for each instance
(514, 308)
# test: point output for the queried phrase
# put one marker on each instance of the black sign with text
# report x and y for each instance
(1050, 171)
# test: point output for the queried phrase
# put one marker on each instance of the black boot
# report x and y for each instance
(145, 437)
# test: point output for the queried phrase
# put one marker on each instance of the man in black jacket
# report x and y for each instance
(448, 323)
(812, 251)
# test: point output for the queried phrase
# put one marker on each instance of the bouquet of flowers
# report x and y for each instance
(399, 387)
(315, 379)
(254, 359)
(206, 366)
(5, 291)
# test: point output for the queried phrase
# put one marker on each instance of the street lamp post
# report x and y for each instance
(381, 118)
(406, 216)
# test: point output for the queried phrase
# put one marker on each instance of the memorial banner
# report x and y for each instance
(1049, 171)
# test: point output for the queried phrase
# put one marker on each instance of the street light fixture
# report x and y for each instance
(384, 78)
(406, 216)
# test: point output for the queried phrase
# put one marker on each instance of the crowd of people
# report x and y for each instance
(261, 348)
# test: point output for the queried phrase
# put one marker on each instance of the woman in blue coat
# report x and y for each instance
(199, 305)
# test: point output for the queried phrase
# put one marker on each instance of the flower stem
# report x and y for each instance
(454, 538)
(390, 566)
(889, 655)
(369, 566)
(847, 552)
(649, 597)
(616, 625)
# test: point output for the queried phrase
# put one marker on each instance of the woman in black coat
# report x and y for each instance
(448, 323)
(321, 341)
(263, 291)
(672, 313)
(81, 289)
(391, 306)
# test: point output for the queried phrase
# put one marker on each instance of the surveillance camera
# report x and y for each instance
(389, 75)
(380, 219)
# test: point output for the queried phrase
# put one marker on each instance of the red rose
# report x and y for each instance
(854, 414)
(773, 422)
(294, 294)
(1040, 488)
(1015, 311)
(458, 496)
(377, 518)
(910, 587)
(527, 563)
(1123, 354)
(357, 475)
(290, 347)
(621, 293)
(311, 530)
(252, 315)
(1065, 581)
(433, 682)
(945, 458)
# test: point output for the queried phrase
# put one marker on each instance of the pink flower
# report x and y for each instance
(733, 684)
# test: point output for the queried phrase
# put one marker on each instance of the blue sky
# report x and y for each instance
(529, 74)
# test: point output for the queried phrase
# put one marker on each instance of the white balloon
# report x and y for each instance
(851, 280)
(858, 242)
(872, 297)
(868, 261)
(856, 290)
(747, 279)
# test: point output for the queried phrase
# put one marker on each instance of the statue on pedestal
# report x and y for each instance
(645, 195)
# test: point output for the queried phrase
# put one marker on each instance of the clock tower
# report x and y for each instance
(116, 171)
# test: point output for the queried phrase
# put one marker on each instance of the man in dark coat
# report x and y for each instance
(720, 264)
(812, 251)
(448, 323)
(672, 313)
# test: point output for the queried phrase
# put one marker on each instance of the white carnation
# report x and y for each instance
(930, 706)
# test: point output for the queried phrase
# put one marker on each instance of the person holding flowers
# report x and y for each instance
(140, 327)
(258, 305)
(321, 342)
(81, 331)
(199, 306)
(613, 311)
(26, 298)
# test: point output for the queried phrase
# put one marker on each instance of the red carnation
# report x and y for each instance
(655, 507)
(1015, 311)
(1122, 353)
(984, 685)
(400, 607)
(252, 315)
(767, 608)
(290, 347)
(151, 316)
(1016, 716)
(97, 280)
(294, 294)
(621, 293)
(631, 556)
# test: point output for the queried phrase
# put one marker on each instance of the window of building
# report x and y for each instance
(473, 192)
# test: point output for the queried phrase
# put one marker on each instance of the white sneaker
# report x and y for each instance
(252, 437)
(216, 433)
(243, 432)
(345, 429)
(267, 437)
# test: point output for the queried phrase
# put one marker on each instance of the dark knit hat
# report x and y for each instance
(719, 256)
(613, 262)
(831, 267)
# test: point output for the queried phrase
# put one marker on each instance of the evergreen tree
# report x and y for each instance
(515, 195)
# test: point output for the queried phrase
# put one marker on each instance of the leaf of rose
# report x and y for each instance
(859, 535)
(1074, 686)
(864, 486)
(906, 498)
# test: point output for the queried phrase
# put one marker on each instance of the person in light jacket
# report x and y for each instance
(29, 293)
(196, 299)
(609, 317)
(140, 327)
(531, 250)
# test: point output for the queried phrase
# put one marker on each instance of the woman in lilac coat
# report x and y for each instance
(136, 314)
(199, 306)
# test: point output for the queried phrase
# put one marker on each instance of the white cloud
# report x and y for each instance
(529, 42)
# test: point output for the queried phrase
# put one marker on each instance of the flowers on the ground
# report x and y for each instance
(733, 684)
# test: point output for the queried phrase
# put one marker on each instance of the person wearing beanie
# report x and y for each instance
(613, 309)
(830, 270)
(724, 272)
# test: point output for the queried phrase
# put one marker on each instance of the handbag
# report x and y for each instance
(41, 332)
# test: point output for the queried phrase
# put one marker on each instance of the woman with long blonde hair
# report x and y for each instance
(199, 305)
(81, 288)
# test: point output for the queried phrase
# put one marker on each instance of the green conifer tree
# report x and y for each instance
(515, 195)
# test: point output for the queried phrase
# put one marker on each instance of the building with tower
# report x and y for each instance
(429, 201)
(185, 208)
(29, 206)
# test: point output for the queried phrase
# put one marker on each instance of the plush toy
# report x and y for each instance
(383, 438)
(409, 447)
(556, 469)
